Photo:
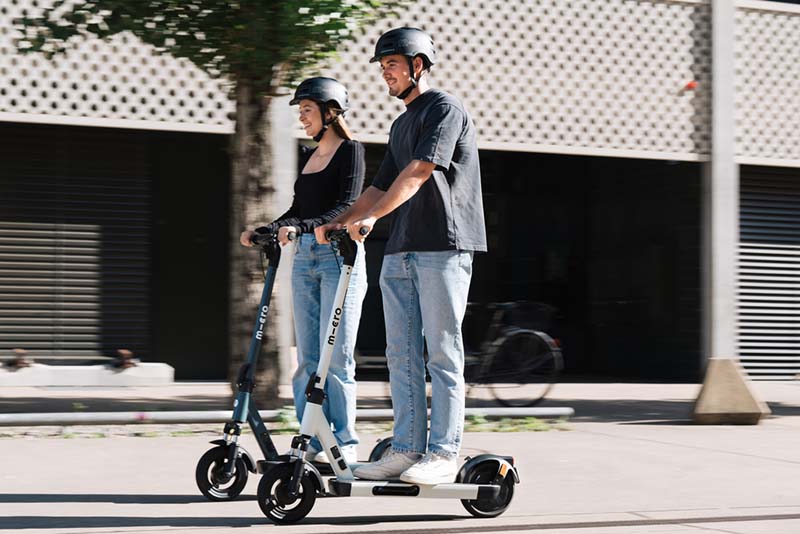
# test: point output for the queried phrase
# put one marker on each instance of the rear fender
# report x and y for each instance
(501, 461)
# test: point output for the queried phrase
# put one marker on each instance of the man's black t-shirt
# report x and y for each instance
(321, 196)
(447, 211)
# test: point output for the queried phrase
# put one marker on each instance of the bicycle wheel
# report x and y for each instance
(524, 368)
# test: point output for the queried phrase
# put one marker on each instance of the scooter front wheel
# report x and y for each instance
(211, 479)
(485, 473)
(275, 501)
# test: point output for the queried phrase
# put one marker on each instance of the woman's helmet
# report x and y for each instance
(323, 91)
(328, 93)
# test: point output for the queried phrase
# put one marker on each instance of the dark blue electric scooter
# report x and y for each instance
(222, 471)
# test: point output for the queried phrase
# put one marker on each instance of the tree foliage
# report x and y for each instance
(268, 43)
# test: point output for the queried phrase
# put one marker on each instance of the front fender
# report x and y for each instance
(265, 465)
(248, 459)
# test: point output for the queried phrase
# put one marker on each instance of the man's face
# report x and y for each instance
(395, 73)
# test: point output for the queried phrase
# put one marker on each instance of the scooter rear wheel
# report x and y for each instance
(485, 473)
(210, 479)
(381, 449)
(275, 501)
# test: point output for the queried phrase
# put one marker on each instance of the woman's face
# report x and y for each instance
(310, 117)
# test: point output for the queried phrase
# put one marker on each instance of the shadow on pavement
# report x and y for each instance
(107, 498)
(105, 404)
(466, 525)
(22, 522)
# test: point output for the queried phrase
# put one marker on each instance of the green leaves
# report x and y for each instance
(270, 43)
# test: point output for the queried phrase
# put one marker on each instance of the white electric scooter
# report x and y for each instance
(290, 485)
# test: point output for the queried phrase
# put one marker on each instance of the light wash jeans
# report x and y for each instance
(315, 275)
(426, 292)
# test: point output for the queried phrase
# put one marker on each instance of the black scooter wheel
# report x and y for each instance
(210, 479)
(485, 473)
(275, 501)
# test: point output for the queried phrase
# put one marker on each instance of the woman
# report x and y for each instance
(329, 181)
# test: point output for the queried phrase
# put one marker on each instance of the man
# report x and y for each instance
(430, 181)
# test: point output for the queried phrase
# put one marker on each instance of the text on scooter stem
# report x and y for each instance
(337, 316)
(262, 319)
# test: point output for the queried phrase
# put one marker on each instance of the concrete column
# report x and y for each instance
(284, 173)
(726, 396)
(721, 194)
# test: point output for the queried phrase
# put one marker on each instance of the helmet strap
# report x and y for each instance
(323, 110)
(411, 87)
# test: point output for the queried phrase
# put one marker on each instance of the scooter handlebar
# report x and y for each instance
(336, 235)
(268, 239)
(263, 239)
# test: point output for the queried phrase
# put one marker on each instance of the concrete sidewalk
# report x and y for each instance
(595, 477)
(627, 463)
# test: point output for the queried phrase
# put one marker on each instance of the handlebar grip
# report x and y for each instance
(261, 239)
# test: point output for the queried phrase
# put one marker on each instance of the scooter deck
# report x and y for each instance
(373, 488)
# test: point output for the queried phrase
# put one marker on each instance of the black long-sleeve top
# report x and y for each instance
(321, 196)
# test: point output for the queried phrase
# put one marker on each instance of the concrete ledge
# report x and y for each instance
(221, 416)
(143, 374)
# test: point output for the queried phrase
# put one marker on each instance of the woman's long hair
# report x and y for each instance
(339, 125)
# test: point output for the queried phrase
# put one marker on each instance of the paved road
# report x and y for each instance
(661, 476)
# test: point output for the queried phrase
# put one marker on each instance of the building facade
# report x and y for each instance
(603, 142)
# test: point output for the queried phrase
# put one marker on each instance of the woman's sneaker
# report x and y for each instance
(432, 469)
(349, 453)
(387, 468)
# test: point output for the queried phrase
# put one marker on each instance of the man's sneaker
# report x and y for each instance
(432, 469)
(388, 467)
(349, 452)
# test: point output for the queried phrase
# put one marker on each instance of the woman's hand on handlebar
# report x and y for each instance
(321, 231)
(246, 238)
(286, 234)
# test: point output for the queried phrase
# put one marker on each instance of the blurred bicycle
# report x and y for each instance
(508, 351)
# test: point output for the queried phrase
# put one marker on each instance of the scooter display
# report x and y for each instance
(290, 486)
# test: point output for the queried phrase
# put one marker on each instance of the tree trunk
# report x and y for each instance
(251, 203)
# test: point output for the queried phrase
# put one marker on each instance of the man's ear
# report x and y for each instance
(419, 65)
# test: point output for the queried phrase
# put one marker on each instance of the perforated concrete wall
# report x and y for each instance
(768, 82)
(120, 82)
(604, 77)
(583, 76)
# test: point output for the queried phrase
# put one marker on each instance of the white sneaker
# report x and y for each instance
(432, 469)
(349, 452)
(312, 453)
(388, 467)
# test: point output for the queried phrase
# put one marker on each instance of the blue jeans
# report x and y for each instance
(315, 275)
(425, 295)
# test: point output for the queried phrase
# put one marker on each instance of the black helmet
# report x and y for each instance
(322, 90)
(411, 42)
